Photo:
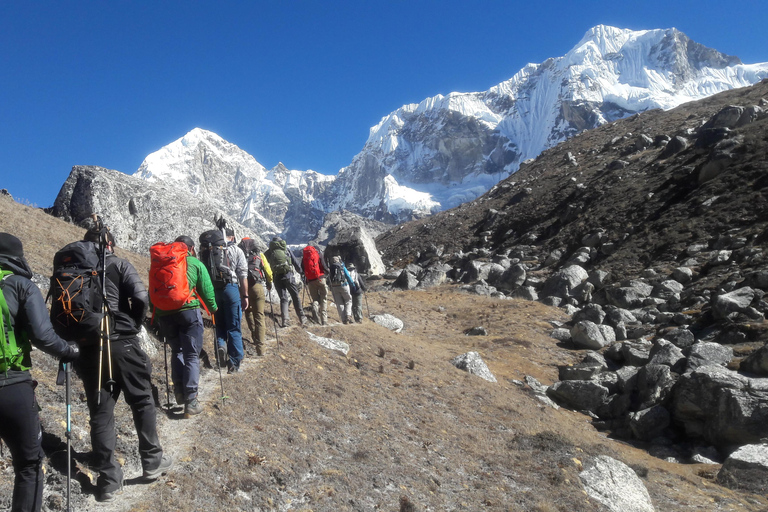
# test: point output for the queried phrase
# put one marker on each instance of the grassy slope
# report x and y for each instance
(311, 429)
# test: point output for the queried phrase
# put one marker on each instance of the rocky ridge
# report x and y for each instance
(652, 233)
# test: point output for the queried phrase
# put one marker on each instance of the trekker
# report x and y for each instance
(341, 283)
(283, 262)
(24, 322)
(357, 291)
(183, 330)
(315, 270)
(259, 276)
(232, 300)
(127, 364)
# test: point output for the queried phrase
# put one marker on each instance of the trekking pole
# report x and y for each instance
(167, 383)
(274, 322)
(67, 398)
(216, 355)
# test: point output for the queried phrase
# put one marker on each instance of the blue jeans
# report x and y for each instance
(228, 328)
(184, 333)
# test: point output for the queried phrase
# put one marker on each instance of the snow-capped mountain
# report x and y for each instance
(272, 202)
(450, 149)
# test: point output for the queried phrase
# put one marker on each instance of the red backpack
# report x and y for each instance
(168, 284)
(311, 263)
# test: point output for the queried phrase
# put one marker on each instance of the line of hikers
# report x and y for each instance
(98, 306)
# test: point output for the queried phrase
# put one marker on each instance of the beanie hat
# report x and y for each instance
(229, 232)
(11, 246)
(351, 266)
(186, 241)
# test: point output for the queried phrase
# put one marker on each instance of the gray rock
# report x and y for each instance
(736, 301)
(433, 276)
(476, 331)
(586, 334)
(615, 485)
(674, 146)
(406, 280)
(472, 363)
(666, 353)
(512, 277)
(564, 280)
(148, 342)
(668, 290)
(682, 274)
(680, 337)
(649, 423)
(747, 469)
(581, 395)
(526, 293)
(615, 316)
(721, 406)
(389, 321)
(756, 362)
(636, 353)
(355, 244)
(654, 384)
(561, 334)
(581, 371)
(627, 378)
(627, 297)
(329, 343)
(708, 353)
(592, 312)
(540, 391)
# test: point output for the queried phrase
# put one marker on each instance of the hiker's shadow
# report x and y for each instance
(56, 450)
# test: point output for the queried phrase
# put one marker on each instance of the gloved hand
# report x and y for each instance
(269, 287)
(71, 354)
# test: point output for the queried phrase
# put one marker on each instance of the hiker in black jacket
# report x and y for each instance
(127, 301)
(26, 317)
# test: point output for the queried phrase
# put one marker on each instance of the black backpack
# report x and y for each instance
(337, 272)
(76, 292)
(213, 254)
(252, 256)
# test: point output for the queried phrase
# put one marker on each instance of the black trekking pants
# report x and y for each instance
(20, 429)
(284, 286)
(131, 371)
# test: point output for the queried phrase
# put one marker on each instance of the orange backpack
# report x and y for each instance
(168, 284)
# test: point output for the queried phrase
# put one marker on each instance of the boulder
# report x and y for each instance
(756, 362)
(615, 485)
(682, 274)
(581, 371)
(721, 406)
(563, 281)
(736, 301)
(668, 290)
(512, 277)
(581, 395)
(433, 276)
(355, 245)
(389, 321)
(654, 384)
(472, 363)
(592, 312)
(674, 146)
(682, 338)
(666, 353)
(627, 297)
(586, 334)
(636, 353)
(406, 280)
(706, 353)
(649, 423)
(746, 469)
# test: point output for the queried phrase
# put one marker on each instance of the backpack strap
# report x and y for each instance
(11, 351)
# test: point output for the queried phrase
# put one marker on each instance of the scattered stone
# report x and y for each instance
(476, 331)
(706, 353)
(329, 343)
(757, 362)
(586, 334)
(649, 423)
(747, 469)
(389, 321)
(580, 395)
(615, 485)
(472, 363)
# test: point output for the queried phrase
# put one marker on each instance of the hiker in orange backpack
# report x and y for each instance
(315, 270)
(178, 282)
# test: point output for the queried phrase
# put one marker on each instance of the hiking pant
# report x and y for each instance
(132, 373)
(318, 292)
(254, 315)
(284, 286)
(183, 331)
(343, 300)
(357, 307)
(228, 327)
(20, 430)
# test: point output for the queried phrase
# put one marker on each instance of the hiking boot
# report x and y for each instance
(193, 407)
(304, 321)
(232, 369)
(223, 357)
(103, 496)
(166, 463)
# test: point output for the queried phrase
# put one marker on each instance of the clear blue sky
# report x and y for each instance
(107, 83)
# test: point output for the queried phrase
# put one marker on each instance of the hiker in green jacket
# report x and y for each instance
(183, 330)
